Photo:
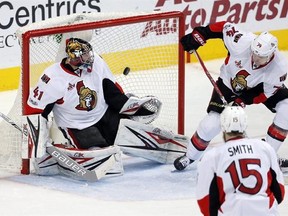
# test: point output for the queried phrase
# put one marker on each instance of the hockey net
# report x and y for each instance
(147, 43)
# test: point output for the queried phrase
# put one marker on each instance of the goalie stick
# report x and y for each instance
(210, 78)
(7, 119)
(68, 162)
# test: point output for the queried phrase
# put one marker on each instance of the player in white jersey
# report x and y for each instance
(96, 118)
(254, 72)
(86, 101)
(242, 175)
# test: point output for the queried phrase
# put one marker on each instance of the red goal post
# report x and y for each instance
(147, 43)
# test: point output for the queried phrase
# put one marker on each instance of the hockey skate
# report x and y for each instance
(182, 162)
(283, 163)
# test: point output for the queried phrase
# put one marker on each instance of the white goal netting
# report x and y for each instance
(147, 43)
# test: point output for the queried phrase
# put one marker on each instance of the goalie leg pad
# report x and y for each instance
(36, 130)
(46, 165)
(102, 161)
(150, 142)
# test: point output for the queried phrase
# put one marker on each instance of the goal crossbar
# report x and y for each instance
(157, 59)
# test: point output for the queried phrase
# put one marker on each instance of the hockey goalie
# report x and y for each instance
(96, 118)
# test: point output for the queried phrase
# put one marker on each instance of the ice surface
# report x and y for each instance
(145, 189)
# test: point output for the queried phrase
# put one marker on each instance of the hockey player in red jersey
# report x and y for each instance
(240, 176)
(254, 72)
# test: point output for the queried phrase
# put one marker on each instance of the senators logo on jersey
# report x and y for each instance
(87, 97)
(239, 83)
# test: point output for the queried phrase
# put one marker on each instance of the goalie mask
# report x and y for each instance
(233, 120)
(79, 53)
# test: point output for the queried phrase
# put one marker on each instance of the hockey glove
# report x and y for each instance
(239, 102)
(145, 109)
(193, 40)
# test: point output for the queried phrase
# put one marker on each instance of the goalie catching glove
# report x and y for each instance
(144, 110)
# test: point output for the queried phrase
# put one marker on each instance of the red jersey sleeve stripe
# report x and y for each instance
(217, 27)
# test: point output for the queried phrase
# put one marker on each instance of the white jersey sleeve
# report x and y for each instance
(231, 36)
(48, 90)
(105, 70)
(276, 74)
(78, 97)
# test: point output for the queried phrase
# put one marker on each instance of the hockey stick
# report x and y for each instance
(10, 121)
(211, 78)
(68, 162)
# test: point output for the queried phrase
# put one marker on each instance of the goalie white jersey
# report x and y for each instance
(240, 177)
(79, 96)
(239, 73)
